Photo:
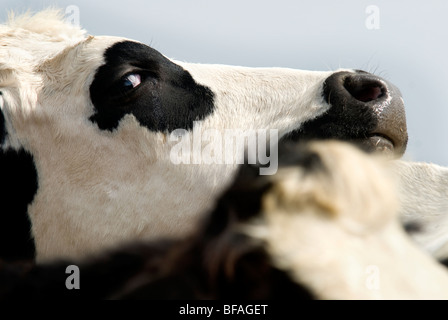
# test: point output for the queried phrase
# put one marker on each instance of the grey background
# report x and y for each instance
(409, 49)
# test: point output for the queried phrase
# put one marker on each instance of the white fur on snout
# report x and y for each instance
(277, 98)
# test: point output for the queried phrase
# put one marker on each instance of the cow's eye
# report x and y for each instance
(130, 81)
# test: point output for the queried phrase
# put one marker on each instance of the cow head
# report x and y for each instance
(99, 117)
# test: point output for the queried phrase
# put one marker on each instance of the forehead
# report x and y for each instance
(29, 40)
(36, 53)
(54, 70)
(32, 44)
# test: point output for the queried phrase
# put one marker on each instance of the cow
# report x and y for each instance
(89, 125)
(308, 232)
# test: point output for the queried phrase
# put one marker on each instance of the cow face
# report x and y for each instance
(101, 116)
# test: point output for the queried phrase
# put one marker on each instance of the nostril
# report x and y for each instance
(364, 90)
(366, 94)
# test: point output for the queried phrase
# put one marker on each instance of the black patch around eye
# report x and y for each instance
(168, 98)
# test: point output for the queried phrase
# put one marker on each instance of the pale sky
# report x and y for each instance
(410, 48)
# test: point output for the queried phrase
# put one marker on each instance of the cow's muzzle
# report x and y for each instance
(364, 109)
(362, 95)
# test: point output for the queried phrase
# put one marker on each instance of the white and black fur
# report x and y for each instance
(308, 232)
(85, 168)
(97, 144)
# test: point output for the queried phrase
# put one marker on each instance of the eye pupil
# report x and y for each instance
(131, 81)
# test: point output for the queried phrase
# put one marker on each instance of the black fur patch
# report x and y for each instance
(168, 98)
(445, 262)
(18, 185)
(2, 128)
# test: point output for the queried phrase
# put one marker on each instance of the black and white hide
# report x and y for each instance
(308, 232)
(104, 140)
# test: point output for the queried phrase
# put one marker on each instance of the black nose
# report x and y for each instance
(367, 109)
